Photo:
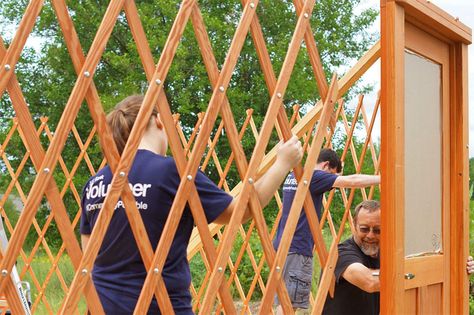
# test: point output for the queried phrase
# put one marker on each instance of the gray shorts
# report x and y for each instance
(297, 274)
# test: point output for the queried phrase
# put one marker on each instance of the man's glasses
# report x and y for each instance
(366, 229)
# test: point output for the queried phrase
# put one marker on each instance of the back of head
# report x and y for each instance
(369, 205)
(122, 118)
(329, 155)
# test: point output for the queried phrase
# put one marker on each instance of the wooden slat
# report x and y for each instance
(185, 187)
(105, 136)
(284, 127)
(301, 127)
(241, 162)
(52, 193)
(268, 123)
(13, 54)
(361, 66)
(298, 201)
(50, 160)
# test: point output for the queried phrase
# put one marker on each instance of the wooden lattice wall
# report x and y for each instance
(213, 292)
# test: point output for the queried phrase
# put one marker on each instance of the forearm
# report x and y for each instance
(368, 283)
(363, 277)
(84, 240)
(357, 181)
(269, 183)
(289, 154)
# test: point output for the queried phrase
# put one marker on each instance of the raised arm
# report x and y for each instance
(362, 277)
(356, 181)
(84, 240)
(288, 156)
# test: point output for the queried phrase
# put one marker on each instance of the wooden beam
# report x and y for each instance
(392, 159)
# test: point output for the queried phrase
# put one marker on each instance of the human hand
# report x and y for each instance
(289, 153)
(470, 265)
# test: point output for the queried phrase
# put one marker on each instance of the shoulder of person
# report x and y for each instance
(320, 175)
(164, 163)
(349, 247)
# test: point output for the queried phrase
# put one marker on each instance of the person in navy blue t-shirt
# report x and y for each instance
(119, 272)
(298, 269)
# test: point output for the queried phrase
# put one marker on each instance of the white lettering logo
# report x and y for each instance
(290, 183)
(97, 189)
(100, 190)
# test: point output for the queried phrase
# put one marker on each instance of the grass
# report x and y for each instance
(48, 299)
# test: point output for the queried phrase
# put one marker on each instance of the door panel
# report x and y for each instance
(431, 298)
(411, 297)
(426, 270)
(426, 172)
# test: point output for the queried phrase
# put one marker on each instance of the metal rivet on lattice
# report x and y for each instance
(278, 269)
(122, 174)
(87, 74)
(306, 15)
(189, 177)
(4, 273)
(252, 5)
(250, 180)
(279, 95)
(158, 81)
(46, 170)
(221, 88)
(305, 182)
(84, 271)
(156, 271)
(7, 67)
(219, 269)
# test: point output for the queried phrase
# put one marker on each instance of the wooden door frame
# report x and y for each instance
(426, 16)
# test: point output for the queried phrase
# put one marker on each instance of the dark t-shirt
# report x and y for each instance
(119, 272)
(303, 242)
(349, 299)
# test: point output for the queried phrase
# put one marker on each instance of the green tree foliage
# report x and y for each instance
(47, 76)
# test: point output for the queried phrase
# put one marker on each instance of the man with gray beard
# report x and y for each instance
(358, 266)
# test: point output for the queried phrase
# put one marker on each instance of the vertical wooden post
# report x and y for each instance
(459, 208)
(392, 158)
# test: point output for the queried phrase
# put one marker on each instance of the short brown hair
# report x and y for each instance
(369, 205)
(329, 155)
(122, 118)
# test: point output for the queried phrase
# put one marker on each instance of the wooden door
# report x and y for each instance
(425, 204)
(426, 168)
